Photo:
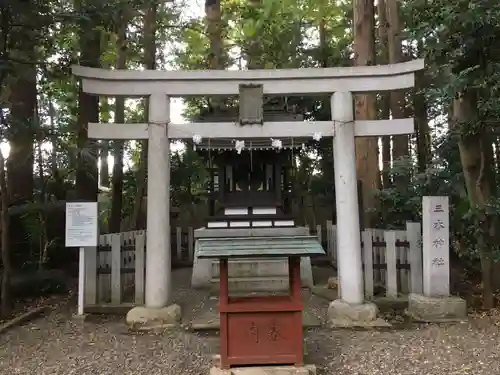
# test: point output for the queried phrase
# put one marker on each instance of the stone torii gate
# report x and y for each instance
(160, 86)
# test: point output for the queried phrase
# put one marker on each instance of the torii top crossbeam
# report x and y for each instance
(159, 85)
(226, 82)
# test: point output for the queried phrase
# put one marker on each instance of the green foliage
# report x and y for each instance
(471, 234)
(39, 283)
(401, 203)
(404, 203)
(129, 192)
(189, 178)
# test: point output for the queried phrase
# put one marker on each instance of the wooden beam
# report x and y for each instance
(300, 86)
(223, 82)
(247, 75)
(231, 130)
(117, 131)
(373, 128)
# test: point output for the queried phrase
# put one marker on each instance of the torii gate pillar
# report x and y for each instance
(350, 309)
(157, 311)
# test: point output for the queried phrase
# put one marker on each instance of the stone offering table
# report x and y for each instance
(260, 274)
(260, 330)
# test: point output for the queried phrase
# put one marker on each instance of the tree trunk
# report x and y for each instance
(254, 58)
(23, 98)
(326, 150)
(386, 153)
(104, 144)
(497, 154)
(53, 138)
(421, 124)
(384, 102)
(42, 216)
(115, 221)
(149, 63)
(104, 170)
(323, 44)
(5, 298)
(88, 111)
(365, 107)
(400, 145)
(421, 119)
(214, 31)
(476, 158)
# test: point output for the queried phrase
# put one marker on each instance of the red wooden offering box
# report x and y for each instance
(261, 330)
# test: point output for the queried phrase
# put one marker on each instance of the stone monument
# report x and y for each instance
(436, 304)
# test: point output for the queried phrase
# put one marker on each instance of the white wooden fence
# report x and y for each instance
(115, 271)
(392, 259)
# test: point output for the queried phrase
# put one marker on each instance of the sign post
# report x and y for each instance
(82, 230)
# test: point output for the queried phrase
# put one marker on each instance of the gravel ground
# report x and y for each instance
(55, 344)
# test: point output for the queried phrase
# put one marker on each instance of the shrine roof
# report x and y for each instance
(239, 247)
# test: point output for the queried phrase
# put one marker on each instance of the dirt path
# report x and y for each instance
(55, 344)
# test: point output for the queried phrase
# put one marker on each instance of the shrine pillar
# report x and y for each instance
(346, 199)
(158, 255)
(350, 309)
(158, 270)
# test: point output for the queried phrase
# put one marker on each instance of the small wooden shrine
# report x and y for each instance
(250, 180)
(260, 330)
(250, 190)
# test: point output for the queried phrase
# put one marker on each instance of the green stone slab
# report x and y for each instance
(244, 247)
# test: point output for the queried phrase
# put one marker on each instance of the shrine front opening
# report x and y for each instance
(160, 86)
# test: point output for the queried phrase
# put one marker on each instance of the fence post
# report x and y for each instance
(319, 234)
(414, 238)
(116, 277)
(139, 269)
(190, 244)
(367, 238)
(335, 244)
(391, 260)
(402, 259)
(329, 245)
(178, 237)
(379, 252)
(90, 286)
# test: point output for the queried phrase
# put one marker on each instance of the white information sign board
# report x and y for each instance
(82, 228)
(436, 246)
